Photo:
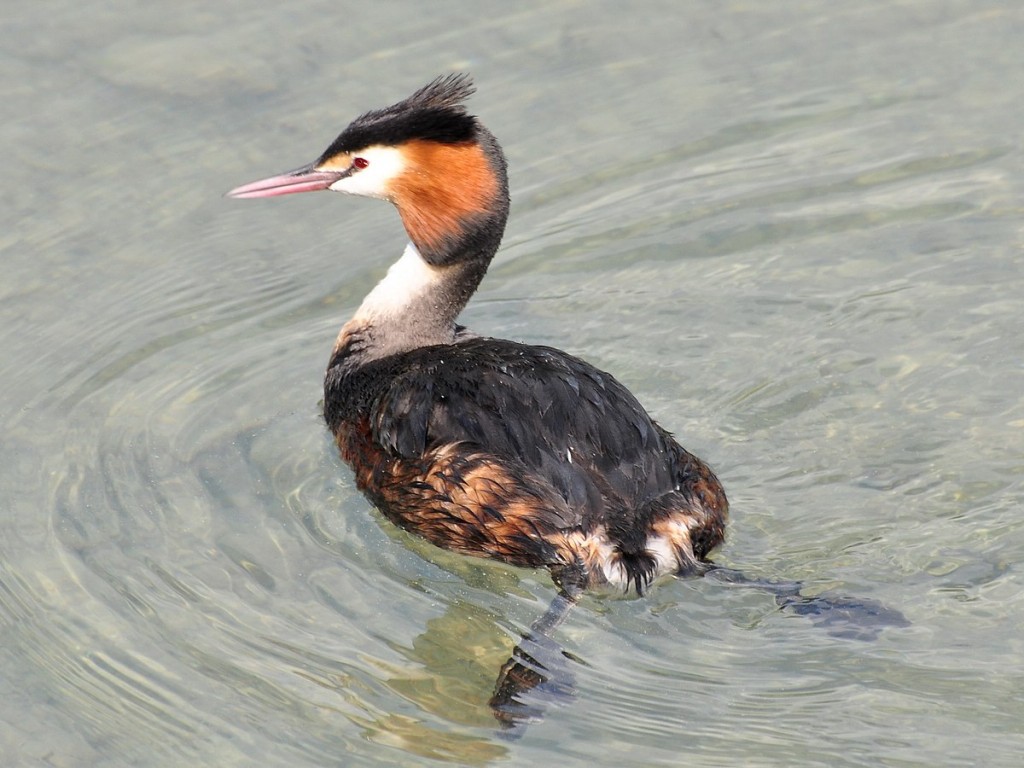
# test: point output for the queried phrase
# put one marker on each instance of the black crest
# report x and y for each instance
(434, 113)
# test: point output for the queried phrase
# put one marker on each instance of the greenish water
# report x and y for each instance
(794, 229)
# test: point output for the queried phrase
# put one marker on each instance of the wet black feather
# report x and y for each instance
(566, 423)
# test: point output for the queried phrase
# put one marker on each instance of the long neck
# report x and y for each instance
(414, 306)
(455, 231)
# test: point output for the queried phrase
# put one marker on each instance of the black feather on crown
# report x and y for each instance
(434, 113)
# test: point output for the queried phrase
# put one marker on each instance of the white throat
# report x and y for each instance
(407, 280)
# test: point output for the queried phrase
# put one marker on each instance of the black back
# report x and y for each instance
(560, 418)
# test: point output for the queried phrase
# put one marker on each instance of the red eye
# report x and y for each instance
(360, 162)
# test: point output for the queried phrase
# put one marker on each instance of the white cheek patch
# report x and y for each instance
(385, 165)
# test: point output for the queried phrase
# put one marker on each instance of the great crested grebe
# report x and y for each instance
(488, 447)
(484, 446)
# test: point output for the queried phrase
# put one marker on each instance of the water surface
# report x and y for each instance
(793, 229)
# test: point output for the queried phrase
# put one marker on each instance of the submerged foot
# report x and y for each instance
(852, 618)
(847, 617)
(536, 675)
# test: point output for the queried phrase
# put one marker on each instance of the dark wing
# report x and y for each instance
(538, 409)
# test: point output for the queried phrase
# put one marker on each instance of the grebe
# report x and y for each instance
(493, 448)
(489, 447)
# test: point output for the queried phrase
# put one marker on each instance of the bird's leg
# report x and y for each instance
(855, 618)
(538, 667)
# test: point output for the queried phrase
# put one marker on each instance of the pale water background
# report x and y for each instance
(793, 228)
